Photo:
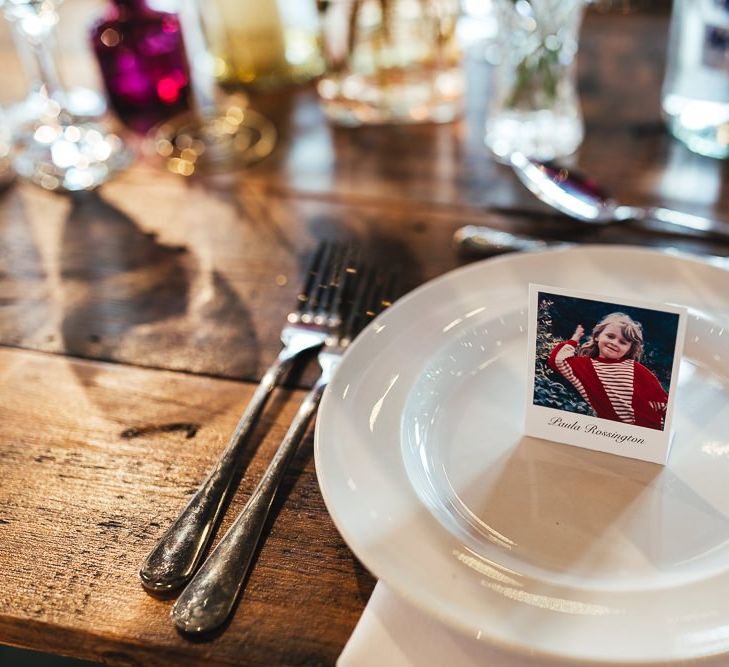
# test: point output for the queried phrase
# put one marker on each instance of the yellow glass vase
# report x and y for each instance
(265, 44)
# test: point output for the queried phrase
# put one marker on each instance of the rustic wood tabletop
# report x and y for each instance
(135, 322)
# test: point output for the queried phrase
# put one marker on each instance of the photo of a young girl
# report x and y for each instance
(612, 370)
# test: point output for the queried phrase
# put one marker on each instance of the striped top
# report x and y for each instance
(617, 380)
(619, 390)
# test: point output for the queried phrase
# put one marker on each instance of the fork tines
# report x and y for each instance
(324, 284)
(372, 293)
(342, 291)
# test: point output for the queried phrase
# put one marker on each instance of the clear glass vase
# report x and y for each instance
(390, 61)
(534, 108)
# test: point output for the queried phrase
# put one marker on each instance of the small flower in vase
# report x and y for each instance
(534, 106)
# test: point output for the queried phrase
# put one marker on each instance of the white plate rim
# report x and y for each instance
(421, 599)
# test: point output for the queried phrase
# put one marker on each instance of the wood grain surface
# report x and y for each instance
(135, 321)
(96, 460)
(200, 280)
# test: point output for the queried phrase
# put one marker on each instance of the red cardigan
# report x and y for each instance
(619, 390)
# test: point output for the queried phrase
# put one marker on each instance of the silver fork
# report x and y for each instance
(174, 559)
(208, 599)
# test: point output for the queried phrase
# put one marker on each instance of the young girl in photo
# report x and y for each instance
(607, 373)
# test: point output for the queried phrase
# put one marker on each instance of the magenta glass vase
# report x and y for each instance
(143, 64)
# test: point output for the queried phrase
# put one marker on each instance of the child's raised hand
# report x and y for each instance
(579, 332)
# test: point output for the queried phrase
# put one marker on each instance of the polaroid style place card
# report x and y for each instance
(602, 373)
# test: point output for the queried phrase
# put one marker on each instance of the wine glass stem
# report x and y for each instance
(47, 71)
(35, 47)
(39, 68)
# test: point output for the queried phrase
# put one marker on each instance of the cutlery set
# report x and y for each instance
(341, 295)
(580, 198)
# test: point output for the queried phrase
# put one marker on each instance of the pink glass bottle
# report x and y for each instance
(143, 65)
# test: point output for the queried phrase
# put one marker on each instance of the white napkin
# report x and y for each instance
(393, 633)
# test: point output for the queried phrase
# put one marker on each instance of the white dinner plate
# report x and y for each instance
(532, 545)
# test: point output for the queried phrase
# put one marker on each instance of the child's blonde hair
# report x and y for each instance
(632, 332)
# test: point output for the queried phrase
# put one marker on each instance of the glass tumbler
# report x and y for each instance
(390, 61)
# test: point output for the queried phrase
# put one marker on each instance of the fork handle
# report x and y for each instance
(175, 557)
(208, 599)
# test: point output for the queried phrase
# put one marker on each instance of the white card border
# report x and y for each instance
(657, 444)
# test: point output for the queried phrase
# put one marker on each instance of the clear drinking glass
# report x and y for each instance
(391, 61)
(534, 108)
(695, 96)
(58, 150)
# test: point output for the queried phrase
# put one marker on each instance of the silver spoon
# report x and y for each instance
(582, 199)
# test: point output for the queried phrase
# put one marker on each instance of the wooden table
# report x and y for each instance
(136, 321)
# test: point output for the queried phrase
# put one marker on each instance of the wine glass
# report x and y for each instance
(81, 102)
(216, 136)
(57, 150)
